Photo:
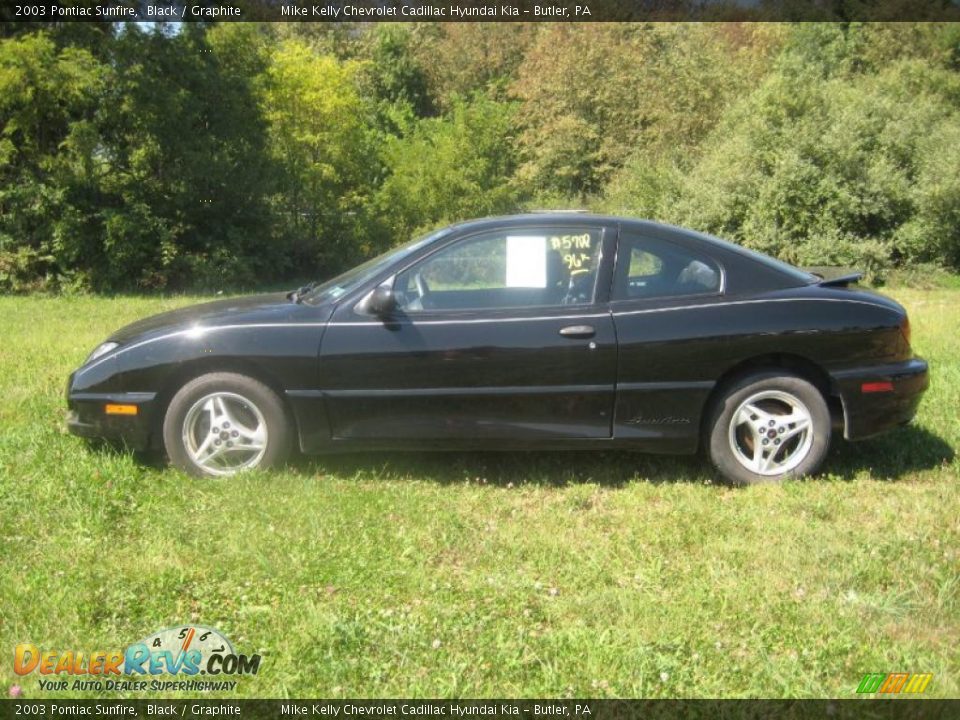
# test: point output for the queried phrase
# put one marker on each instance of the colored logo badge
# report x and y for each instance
(894, 683)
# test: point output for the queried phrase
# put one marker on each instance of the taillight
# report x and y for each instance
(905, 329)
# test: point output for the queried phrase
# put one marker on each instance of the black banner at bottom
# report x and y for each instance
(879, 709)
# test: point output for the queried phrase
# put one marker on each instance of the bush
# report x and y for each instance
(844, 170)
(450, 168)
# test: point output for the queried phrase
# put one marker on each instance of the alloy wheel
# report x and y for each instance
(771, 432)
(224, 433)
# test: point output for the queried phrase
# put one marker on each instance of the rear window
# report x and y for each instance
(652, 268)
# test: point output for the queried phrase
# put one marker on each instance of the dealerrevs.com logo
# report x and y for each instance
(184, 653)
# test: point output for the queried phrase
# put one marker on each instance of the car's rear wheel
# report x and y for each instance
(767, 427)
(223, 423)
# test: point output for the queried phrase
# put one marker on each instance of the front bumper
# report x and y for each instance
(87, 417)
(868, 413)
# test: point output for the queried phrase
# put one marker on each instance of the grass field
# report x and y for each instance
(484, 575)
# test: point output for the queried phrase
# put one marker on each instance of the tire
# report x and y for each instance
(223, 423)
(780, 413)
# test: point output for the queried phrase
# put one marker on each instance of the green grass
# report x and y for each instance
(601, 574)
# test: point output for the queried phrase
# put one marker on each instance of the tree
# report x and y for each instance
(596, 95)
(582, 108)
(462, 59)
(48, 161)
(396, 77)
(320, 139)
(450, 168)
(182, 191)
(836, 171)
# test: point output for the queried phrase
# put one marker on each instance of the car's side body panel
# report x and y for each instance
(469, 377)
(277, 344)
(671, 359)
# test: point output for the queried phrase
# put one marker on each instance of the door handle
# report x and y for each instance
(578, 331)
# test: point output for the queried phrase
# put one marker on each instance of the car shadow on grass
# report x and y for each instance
(511, 469)
(152, 459)
(891, 457)
(611, 468)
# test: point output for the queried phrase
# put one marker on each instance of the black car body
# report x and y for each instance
(633, 352)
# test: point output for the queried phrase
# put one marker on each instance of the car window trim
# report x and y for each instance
(403, 319)
(604, 228)
(719, 292)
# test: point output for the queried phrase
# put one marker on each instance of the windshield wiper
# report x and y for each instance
(297, 295)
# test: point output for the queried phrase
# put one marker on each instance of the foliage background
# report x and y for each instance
(227, 156)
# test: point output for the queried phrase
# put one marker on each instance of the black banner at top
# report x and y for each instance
(477, 10)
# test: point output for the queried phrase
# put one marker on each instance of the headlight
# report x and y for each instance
(101, 349)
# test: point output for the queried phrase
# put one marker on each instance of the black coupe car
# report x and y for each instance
(544, 331)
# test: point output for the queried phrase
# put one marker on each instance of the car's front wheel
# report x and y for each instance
(767, 427)
(222, 423)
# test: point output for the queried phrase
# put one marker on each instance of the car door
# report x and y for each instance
(667, 304)
(502, 334)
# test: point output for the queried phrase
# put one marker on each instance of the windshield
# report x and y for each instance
(340, 285)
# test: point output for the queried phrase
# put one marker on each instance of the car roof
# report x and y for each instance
(573, 217)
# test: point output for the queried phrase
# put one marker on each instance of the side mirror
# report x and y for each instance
(382, 301)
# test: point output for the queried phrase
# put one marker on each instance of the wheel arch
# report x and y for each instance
(192, 369)
(795, 364)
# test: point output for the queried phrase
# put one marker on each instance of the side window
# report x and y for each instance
(521, 267)
(651, 268)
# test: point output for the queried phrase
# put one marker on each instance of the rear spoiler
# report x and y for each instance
(834, 277)
(842, 280)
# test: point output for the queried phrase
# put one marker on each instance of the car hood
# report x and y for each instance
(268, 308)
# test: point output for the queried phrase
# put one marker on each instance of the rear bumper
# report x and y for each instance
(868, 413)
(87, 417)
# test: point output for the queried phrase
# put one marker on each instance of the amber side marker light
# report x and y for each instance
(120, 409)
(876, 387)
